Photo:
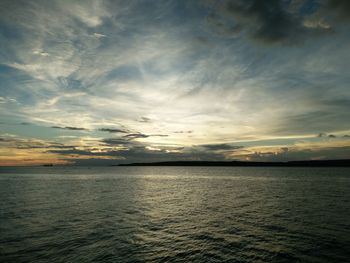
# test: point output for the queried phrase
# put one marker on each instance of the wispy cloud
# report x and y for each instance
(112, 130)
(199, 75)
(132, 136)
(69, 128)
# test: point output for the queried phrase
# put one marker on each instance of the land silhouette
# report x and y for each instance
(306, 163)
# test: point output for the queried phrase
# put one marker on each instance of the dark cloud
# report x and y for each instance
(132, 136)
(273, 23)
(341, 7)
(62, 146)
(285, 149)
(346, 136)
(183, 131)
(134, 151)
(321, 134)
(114, 141)
(270, 21)
(223, 146)
(145, 119)
(69, 128)
(112, 130)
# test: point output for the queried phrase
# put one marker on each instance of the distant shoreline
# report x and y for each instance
(315, 163)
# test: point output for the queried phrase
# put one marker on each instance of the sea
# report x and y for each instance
(174, 214)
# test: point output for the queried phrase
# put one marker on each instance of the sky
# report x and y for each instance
(109, 82)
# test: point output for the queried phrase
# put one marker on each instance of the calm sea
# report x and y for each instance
(174, 214)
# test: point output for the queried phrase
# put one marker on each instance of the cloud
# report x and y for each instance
(41, 53)
(119, 150)
(183, 131)
(69, 128)
(112, 130)
(25, 143)
(222, 146)
(273, 23)
(284, 149)
(341, 7)
(113, 150)
(145, 120)
(114, 141)
(159, 135)
(267, 21)
(143, 154)
(84, 152)
(4, 100)
(301, 151)
(98, 35)
(48, 146)
(132, 136)
(321, 134)
(312, 120)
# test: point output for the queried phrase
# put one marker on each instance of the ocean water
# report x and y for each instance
(174, 214)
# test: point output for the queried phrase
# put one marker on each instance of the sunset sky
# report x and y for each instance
(108, 82)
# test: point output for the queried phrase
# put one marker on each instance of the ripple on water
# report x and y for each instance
(175, 215)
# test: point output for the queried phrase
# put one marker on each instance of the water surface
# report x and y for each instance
(174, 214)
